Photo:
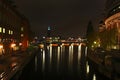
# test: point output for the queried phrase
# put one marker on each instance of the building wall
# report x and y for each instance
(113, 31)
(11, 22)
(110, 34)
(25, 30)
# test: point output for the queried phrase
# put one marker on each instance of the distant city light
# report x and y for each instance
(95, 42)
(48, 27)
(3, 30)
(43, 37)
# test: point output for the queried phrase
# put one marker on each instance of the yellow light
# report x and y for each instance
(41, 45)
(92, 46)
(1, 46)
(22, 28)
(11, 32)
(3, 30)
(95, 42)
(20, 44)
(0, 29)
(88, 69)
(13, 45)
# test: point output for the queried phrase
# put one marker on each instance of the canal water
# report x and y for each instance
(61, 63)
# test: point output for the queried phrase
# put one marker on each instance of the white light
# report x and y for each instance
(88, 68)
(119, 7)
(43, 37)
(94, 77)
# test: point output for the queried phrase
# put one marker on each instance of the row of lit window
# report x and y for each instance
(3, 30)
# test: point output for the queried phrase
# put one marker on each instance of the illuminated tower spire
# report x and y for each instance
(48, 31)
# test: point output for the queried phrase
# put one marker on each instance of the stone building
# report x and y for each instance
(14, 27)
(110, 30)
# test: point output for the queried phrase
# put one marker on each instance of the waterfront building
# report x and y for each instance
(110, 28)
(14, 27)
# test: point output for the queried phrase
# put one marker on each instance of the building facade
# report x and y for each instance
(109, 31)
(11, 23)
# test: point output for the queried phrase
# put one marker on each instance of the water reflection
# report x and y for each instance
(43, 60)
(64, 62)
(94, 77)
(58, 59)
(50, 54)
(70, 58)
(36, 63)
(88, 68)
(79, 56)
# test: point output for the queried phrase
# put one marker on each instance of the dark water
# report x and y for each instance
(61, 63)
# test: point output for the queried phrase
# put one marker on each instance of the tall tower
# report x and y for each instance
(49, 31)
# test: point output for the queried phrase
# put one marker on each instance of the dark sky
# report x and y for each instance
(66, 17)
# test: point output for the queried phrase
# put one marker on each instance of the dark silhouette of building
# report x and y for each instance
(14, 27)
(90, 34)
(49, 31)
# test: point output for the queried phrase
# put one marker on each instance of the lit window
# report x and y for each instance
(119, 7)
(0, 29)
(49, 28)
(3, 30)
(22, 28)
(22, 35)
(11, 32)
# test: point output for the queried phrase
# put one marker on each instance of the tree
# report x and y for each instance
(90, 34)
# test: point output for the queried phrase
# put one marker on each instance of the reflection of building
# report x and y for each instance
(111, 31)
(11, 23)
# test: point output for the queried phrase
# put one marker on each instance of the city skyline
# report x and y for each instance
(66, 18)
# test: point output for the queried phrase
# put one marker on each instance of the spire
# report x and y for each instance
(49, 31)
(49, 28)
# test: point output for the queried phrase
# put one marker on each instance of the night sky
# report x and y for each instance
(66, 17)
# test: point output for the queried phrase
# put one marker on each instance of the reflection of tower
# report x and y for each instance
(48, 32)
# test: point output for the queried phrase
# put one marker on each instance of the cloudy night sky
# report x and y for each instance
(66, 17)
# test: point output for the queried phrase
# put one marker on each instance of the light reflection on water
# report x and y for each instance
(50, 50)
(64, 61)
(94, 77)
(43, 60)
(79, 56)
(58, 59)
(62, 57)
(61, 63)
(70, 58)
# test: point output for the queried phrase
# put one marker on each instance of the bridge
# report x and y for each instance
(66, 43)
